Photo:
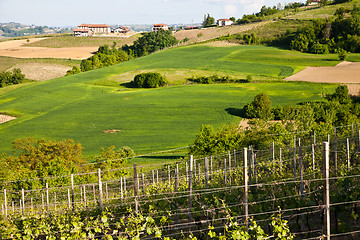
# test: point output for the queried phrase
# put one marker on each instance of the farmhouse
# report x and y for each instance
(162, 26)
(82, 32)
(122, 29)
(224, 22)
(190, 28)
(313, 2)
(95, 28)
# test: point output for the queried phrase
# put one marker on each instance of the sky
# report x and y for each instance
(60, 13)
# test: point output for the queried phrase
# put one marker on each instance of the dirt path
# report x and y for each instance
(16, 49)
(344, 72)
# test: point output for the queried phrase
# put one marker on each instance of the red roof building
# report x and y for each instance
(162, 26)
(96, 28)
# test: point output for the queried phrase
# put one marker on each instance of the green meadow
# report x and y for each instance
(82, 107)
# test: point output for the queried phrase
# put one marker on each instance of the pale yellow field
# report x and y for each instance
(16, 48)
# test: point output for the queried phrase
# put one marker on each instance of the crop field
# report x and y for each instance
(71, 41)
(148, 120)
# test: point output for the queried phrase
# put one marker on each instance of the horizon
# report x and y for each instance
(138, 12)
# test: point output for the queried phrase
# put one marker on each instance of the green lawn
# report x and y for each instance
(152, 120)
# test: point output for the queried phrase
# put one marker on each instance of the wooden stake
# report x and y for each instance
(85, 203)
(69, 201)
(176, 178)
(121, 187)
(206, 172)
(72, 192)
(301, 170)
(5, 204)
(280, 161)
(199, 175)
(313, 155)
(229, 168)
(100, 191)
(190, 188)
(136, 189)
(143, 183)
(23, 201)
(326, 227)
(225, 180)
(245, 175)
(335, 151)
(55, 201)
(348, 153)
(47, 199)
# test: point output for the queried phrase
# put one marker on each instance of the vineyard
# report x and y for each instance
(305, 182)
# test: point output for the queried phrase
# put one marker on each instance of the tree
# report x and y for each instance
(86, 65)
(149, 80)
(341, 95)
(233, 19)
(208, 21)
(259, 108)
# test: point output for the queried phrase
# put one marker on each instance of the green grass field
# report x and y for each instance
(150, 120)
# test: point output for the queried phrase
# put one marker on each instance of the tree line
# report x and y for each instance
(330, 35)
(263, 119)
(107, 56)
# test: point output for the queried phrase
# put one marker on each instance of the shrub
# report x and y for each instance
(342, 54)
(149, 80)
(319, 48)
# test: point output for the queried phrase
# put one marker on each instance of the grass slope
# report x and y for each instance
(152, 119)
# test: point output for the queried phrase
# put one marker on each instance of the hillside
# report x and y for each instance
(83, 106)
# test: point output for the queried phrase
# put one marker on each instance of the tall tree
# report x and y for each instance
(208, 20)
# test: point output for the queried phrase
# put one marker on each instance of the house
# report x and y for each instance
(122, 29)
(190, 28)
(162, 26)
(224, 22)
(96, 28)
(78, 32)
(313, 2)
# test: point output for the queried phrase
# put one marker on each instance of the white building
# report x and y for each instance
(224, 22)
(162, 26)
(82, 32)
(96, 28)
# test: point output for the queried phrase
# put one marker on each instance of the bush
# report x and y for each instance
(8, 78)
(73, 71)
(319, 48)
(342, 54)
(149, 80)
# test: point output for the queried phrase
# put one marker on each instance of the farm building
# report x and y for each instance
(96, 28)
(224, 22)
(313, 2)
(162, 26)
(122, 29)
(82, 32)
(189, 28)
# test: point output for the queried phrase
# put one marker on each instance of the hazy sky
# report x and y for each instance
(75, 12)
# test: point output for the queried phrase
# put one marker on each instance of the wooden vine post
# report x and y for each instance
(190, 187)
(206, 172)
(5, 204)
(335, 151)
(47, 199)
(23, 201)
(246, 179)
(72, 192)
(100, 191)
(348, 153)
(301, 170)
(326, 226)
(136, 189)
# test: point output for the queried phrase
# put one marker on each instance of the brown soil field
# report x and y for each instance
(16, 48)
(344, 72)
(42, 71)
(198, 35)
(5, 118)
